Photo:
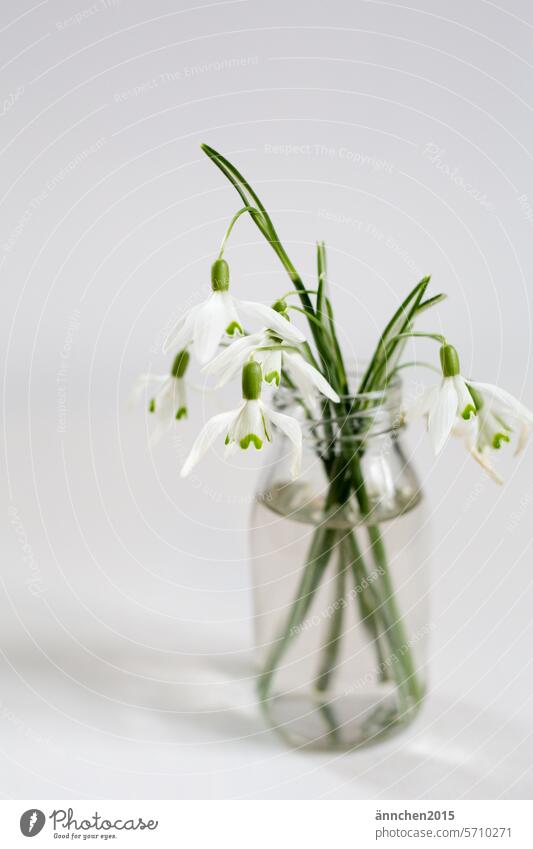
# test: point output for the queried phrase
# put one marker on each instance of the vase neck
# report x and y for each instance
(357, 419)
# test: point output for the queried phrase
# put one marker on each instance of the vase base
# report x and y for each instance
(342, 723)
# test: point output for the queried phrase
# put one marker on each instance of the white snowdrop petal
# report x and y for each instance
(464, 398)
(272, 319)
(232, 317)
(472, 427)
(226, 364)
(442, 414)
(182, 332)
(235, 350)
(507, 402)
(249, 427)
(523, 437)
(232, 370)
(301, 379)
(483, 460)
(212, 428)
(422, 405)
(209, 326)
(302, 370)
(271, 362)
(166, 387)
(163, 415)
(142, 382)
(292, 429)
(158, 432)
(180, 397)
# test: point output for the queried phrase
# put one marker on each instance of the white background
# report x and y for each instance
(125, 608)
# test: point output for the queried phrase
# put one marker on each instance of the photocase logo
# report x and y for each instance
(64, 824)
(32, 822)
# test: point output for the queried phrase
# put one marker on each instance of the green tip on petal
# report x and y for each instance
(251, 381)
(251, 438)
(273, 377)
(181, 361)
(181, 413)
(151, 405)
(220, 276)
(498, 438)
(468, 412)
(234, 329)
(449, 361)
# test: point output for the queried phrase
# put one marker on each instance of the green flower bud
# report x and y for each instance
(220, 276)
(449, 361)
(181, 361)
(251, 381)
(281, 307)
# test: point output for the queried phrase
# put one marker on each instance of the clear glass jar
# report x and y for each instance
(340, 578)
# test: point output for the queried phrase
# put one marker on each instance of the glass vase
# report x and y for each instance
(340, 578)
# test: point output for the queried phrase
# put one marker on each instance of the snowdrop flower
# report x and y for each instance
(205, 324)
(169, 402)
(444, 403)
(249, 425)
(266, 348)
(477, 446)
(483, 414)
(499, 414)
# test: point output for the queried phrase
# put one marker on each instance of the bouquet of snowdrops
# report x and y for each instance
(262, 344)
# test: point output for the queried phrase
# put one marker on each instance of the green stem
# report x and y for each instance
(339, 360)
(264, 222)
(395, 626)
(265, 225)
(252, 210)
(332, 647)
(368, 604)
(320, 552)
(292, 292)
(333, 638)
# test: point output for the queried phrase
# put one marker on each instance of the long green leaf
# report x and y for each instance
(322, 272)
(265, 225)
(264, 222)
(399, 323)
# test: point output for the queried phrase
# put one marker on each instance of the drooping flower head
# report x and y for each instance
(250, 424)
(484, 415)
(447, 401)
(204, 325)
(499, 416)
(169, 403)
(275, 351)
